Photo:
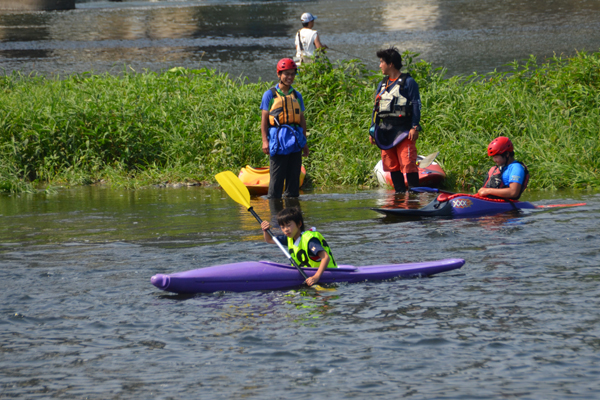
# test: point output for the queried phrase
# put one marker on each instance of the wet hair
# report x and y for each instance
(391, 56)
(291, 214)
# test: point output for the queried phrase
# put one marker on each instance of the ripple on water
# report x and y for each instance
(519, 319)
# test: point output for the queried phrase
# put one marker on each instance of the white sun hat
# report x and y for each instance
(307, 17)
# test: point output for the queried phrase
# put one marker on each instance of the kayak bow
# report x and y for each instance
(257, 179)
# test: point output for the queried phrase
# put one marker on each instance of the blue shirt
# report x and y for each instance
(513, 172)
(267, 99)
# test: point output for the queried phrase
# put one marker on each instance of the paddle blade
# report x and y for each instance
(322, 289)
(426, 162)
(234, 188)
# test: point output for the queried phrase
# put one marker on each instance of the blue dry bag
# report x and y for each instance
(285, 139)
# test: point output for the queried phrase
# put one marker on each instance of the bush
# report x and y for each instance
(137, 129)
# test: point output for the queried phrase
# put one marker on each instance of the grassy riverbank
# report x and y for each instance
(140, 129)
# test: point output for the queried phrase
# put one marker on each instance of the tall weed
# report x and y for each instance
(148, 128)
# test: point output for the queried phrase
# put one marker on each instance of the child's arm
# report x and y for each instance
(265, 226)
(324, 263)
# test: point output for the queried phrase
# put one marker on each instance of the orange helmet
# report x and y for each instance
(286, 63)
(500, 145)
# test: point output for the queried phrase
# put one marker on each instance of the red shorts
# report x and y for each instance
(402, 157)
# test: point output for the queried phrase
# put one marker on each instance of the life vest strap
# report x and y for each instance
(300, 41)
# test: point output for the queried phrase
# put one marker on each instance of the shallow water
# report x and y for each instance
(246, 38)
(80, 318)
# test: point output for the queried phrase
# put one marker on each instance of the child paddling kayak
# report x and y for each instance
(307, 248)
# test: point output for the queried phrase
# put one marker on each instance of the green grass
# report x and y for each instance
(139, 129)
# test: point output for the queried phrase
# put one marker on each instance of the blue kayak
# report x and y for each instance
(459, 205)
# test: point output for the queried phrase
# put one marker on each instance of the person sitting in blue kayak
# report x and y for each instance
(307, 248)
(508, 178)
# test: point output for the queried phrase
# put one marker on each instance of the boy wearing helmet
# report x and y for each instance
(509, 178)
(283, 130)
(307, 39)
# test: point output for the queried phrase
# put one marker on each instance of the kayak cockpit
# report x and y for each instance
(340, 268)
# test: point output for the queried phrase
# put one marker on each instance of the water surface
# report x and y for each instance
(80, 318)
(246, 38)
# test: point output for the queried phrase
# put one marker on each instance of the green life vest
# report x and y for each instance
(300, 253)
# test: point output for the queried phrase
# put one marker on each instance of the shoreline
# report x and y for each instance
(139, 129)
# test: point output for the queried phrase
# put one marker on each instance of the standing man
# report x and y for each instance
(283, 130)
(395, 123)
(307, 39)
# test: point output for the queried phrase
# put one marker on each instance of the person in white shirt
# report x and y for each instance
(307, 39)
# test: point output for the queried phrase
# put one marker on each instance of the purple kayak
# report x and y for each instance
(266, 275)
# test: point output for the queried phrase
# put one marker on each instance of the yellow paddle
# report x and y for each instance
(239, 193)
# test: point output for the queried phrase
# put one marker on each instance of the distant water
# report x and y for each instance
(246, 38)
(80, 319)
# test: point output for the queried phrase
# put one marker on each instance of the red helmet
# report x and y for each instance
(500, 145)
(286, 63)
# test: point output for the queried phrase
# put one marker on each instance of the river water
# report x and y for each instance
(80, 319)
(246, 38)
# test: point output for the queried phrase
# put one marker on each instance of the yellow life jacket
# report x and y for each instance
(285, 109)
(300, 253)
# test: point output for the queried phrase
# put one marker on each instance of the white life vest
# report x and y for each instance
(391, 103)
